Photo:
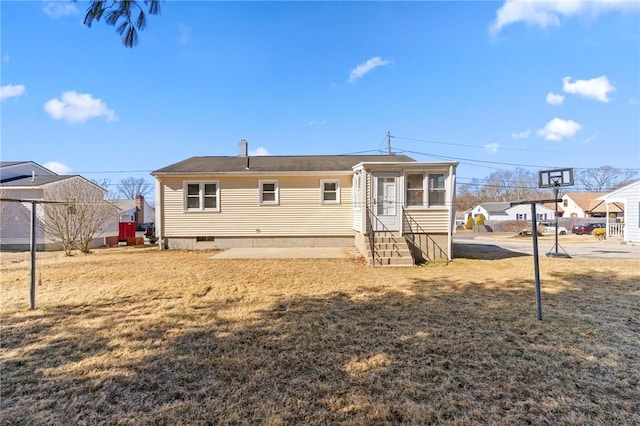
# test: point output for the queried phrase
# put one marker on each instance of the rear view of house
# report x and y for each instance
(375, 202)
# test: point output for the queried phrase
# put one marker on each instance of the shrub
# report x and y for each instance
(470, 222)
(480, 219)
(599, 233)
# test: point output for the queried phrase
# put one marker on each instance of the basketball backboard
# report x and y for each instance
(553, 178)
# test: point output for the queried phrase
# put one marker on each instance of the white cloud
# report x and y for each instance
(11, 91)
(5, 58)
(57, 167)
(558, 129)
(364, 68)
(549, 13)
(596, 88)
(259, 151)
(77, 107)
(491, 147)
(554, 99)
(59, 9)
(317, 122)
(633, 101)
(184, 33)
(521, 135)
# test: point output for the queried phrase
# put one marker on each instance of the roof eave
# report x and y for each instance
(254, 173)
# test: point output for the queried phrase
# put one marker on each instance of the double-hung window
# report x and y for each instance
(436, 189)
(330, 191)
(425, 190)
(202, 196)
(268, 192)
(415, 189)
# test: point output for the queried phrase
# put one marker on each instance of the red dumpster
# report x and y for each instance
(127, 230)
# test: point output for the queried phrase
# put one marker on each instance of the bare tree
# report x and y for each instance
(468, 195)
(604, 178)
(119, 14)
(131, 187)
(105, 183)
(78, 215)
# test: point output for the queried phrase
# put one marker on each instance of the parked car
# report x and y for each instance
(149, 229)
(550, 228)
(587, 228)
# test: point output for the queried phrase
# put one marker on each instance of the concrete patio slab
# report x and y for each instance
(288, 253)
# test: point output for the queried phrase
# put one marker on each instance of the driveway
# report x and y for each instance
(581, 247)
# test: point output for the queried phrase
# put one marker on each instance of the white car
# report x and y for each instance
(550, 228)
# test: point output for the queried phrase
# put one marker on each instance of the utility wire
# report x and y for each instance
(473, 146)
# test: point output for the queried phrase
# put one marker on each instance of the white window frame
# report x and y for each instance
(426, 199)
(406, 190)
(323, 191)
(201, 196)
(443, 190)
(261, 184)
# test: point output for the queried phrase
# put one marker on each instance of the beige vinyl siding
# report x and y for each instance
(299, 212)
(430, 220)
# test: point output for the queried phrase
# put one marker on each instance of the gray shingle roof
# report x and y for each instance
(35, 182)
(495, 207)
(11, 163)
(307, 163)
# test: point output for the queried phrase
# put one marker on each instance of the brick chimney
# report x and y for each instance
(140, 209)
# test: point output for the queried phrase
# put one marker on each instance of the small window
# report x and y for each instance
(415, 189)
(268, 191)
(436, 190)
(202, 196)
(330, 191)
(565, 203)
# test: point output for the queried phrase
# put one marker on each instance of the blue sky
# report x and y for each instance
(494, 85)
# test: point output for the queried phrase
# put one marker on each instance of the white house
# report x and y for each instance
(26, 180)
(587, 205)
(502, 211)
(629, 196)
(137, 210)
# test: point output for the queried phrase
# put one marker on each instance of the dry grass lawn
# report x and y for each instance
(140, 336)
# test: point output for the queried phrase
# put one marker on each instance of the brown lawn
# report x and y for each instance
(140, 336)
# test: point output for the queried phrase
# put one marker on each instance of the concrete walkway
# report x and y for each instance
(288, 253)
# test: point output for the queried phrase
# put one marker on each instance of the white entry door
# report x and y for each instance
(385, 199)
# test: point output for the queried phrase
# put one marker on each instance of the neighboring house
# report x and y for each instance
(137, 210)
(629, 198)
(502, 211)
(330, 200)
(26, 180)
(588, 205)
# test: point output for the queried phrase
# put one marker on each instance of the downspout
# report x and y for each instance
(159, 219)
(452, 189)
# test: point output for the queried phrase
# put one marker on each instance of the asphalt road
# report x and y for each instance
(578, 247)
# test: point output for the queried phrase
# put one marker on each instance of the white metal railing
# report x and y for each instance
(616, 230)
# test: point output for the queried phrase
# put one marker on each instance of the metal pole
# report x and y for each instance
(555, 193)
(536, 265)
(32, 295)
